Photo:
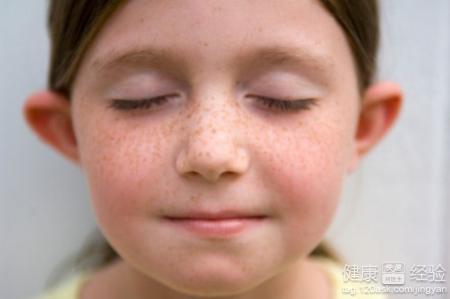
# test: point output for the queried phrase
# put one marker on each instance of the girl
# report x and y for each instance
(215, 137)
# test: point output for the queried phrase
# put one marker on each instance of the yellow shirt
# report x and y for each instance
(349, 289)
(69, 289)
(342, 290)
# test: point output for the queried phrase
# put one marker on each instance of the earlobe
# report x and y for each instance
(48, 114)
(380, 108)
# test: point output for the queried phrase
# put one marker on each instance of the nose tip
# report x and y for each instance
(214, 140)
(212, 162)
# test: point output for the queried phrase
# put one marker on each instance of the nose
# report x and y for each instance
(213, 148)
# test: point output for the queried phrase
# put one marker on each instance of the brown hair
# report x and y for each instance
(73, 24)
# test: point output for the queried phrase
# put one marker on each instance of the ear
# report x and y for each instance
(47, 113)
(379, 110)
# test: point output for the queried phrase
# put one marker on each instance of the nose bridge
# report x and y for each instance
(213, 135)
(213, 144)
(214, 116)
(213, 119)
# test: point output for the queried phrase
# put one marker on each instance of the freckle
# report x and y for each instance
(198, 131)
(195, 197)
(169, 129)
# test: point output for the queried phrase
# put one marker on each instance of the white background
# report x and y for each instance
(394, 208)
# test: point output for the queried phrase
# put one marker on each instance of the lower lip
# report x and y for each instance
(216, 227)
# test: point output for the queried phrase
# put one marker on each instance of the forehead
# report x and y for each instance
(220, 34)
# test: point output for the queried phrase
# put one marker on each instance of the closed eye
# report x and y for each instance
(286, 105)
(272, 103)
(125, 104)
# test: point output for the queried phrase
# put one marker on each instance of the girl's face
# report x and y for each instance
(216, 142)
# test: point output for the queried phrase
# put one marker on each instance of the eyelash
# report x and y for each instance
(139, 104)
(302, 104)
(274, 104)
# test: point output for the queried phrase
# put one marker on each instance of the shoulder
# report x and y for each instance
(346, 289)
(68, 289)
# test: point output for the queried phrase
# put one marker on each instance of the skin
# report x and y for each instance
(214, 145)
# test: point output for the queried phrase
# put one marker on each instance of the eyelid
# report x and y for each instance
(135, 104)
(286, 105)
(272, 103)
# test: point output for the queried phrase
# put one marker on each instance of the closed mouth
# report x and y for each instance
(214, 218)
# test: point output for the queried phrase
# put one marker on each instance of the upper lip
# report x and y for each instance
(227, 214)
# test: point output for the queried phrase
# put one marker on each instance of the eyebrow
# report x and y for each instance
(282, 55)
(259, 58)
(138, 58)
(314, 63)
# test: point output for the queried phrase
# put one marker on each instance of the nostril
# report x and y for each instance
(229, 174)
(211, 163)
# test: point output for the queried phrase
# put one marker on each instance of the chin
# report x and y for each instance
(213, 282)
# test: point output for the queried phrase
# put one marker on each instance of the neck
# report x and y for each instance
(302, 280)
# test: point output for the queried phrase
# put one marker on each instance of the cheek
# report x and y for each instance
(305, 170)
(121, 163)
